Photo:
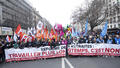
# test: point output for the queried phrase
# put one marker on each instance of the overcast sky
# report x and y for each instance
(56, 11)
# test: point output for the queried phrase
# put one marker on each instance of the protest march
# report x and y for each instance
(39, 43)
(59, 33)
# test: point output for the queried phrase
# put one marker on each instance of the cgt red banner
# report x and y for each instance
(94, 49)
(34, 53)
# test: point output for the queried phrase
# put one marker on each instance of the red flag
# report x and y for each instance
(23, 36)
(45, 30)
(56, 36)
(33, 38)
(18, 30)
(52, 32)
(29, 39)
(46, 33)
(43, 26)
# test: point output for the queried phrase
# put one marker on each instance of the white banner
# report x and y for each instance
(60, 51)
(34, 53)
(6, 31)
(94, 49)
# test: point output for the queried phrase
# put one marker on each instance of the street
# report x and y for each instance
(59, 33)
(71, 62)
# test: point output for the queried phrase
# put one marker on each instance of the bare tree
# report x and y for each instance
(94, 12)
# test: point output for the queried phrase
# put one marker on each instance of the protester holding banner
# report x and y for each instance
(110, 40)
(90, 40)
(37, 43)
(52, 44)
(15, 45)
(95, 40)
(101, 40)
(69, 41)
(75, 41)
(82, 40)
(22, 45)
(64, 41)
(117, 39)
(44, 43)
(86, 39)
(7, 44)
(105, 38)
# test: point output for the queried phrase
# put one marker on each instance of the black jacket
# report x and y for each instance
(81, 40)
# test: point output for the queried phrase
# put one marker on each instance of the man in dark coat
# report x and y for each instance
(81, 40)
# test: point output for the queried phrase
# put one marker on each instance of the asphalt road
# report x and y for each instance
(71, 62)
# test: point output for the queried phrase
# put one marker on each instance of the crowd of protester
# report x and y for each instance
(109, 39)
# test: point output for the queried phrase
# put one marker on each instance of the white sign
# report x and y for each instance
(6, 31)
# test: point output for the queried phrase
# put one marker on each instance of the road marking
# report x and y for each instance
(68, 63)
(63, 63)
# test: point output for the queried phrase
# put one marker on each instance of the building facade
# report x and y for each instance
(14, 12)
(112, 15)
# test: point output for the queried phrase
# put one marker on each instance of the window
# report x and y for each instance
(106, 1)
(114, 26)
(109, 0)
(118, 18)
(118, 10)
(113, 3)
(119, 25)
(110, 11)
(109, 5)
(117, 0)
(110, 26)
(114, 19)
(106, 14)
(110, 20)
(114, 12)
